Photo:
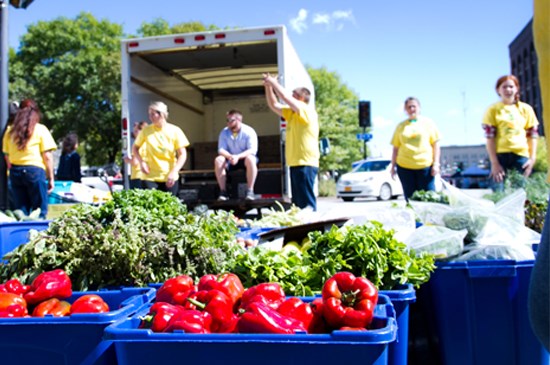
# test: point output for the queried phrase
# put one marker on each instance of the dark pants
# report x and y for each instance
(302, 182)
(509, 161)
(415, 180)
(29, 188)
(136, 184)
(161, 186)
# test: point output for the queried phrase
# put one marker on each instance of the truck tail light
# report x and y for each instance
(269, 32)
(124, 124)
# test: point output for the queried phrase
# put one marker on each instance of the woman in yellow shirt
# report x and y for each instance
(416, 151)
(511, 130)
(160, 149)
(28, 146)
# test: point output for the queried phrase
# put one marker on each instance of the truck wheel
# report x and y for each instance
(385, 192)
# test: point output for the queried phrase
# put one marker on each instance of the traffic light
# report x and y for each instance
(364, 114)
(21, 3)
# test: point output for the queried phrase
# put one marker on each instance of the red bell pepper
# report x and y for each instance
(192, 321)
(295, 308)
(89, 303)
(14, 286)
(176, 290)
(49, 284)
(161, 316)
(220, 307)
(317, 324)
(348, 301)
(270, 294)
(229, 284)
(12, 305)
(53, 307)
(260, 318)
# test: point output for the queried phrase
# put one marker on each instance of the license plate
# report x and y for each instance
(347, 188)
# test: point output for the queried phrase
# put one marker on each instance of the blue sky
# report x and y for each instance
(449, 54)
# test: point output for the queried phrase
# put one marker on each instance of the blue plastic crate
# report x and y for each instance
(401, 298)
(480, 313)
(75, 339)
(14, 234)
(142, 346)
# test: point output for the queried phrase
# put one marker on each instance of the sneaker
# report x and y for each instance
(250, 195)
(223, 196)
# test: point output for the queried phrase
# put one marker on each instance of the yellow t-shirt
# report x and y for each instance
(136, 169)
(541, 31)
(302, 136)
(511, 123)
(414, 141)
(160, 146)
(40, 141)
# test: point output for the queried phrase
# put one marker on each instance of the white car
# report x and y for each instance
(369, 178)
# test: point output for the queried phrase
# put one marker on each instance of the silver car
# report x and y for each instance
(369, 178)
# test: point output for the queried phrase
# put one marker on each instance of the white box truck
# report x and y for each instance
(200, 76)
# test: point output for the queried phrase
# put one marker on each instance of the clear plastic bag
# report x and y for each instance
(497, 252)
(430, 213)
(440, 241)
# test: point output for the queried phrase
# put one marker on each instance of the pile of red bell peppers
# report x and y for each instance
(220, 304)
(44, 296)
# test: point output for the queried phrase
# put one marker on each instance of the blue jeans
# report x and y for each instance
(509, 161)
(29, 188)
(415, 180)
(302, 182)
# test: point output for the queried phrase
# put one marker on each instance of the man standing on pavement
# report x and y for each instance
(302, 138)
(237, 149)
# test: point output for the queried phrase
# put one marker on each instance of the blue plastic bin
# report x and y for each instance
(76, 339)
(57, 196)
(14, 234)
(400, 297)
(142, 346)
(480, 313)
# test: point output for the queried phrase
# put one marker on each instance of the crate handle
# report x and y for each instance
(490, 272)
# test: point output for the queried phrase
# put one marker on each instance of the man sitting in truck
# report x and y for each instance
(237, 149)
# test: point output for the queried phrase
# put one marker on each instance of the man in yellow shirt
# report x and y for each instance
(302, 138)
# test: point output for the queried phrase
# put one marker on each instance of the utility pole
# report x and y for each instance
(4, 94)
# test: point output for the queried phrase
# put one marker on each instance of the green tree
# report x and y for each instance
(338, 119)
(160, 27)
(72, 69)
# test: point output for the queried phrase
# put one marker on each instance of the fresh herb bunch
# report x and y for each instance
(368, 251)
(430, 196)
(140, 237)
(259, 265)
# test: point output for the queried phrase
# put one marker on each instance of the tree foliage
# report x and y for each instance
(160, 26)
(338, 119)
(72, 69)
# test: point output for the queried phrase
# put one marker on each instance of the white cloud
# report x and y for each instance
(320, 18)
(299, 22)
(334, 21)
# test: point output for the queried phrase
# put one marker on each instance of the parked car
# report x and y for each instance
(369, 178)
(106, 177)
